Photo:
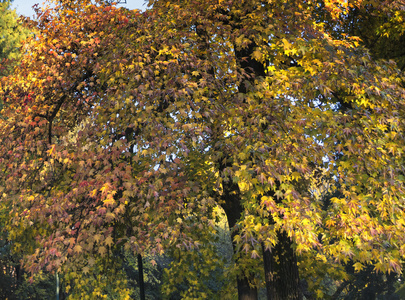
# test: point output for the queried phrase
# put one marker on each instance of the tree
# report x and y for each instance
(12, 34)
(13, 284)
(125, 129)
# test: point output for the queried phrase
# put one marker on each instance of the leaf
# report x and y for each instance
(102, 250)
(108, 241)
(358, 267)
(279, 194)
(78, 248)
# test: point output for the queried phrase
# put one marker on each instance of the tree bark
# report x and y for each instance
(233, 210)
(141, 281)
(245, 291)
(231, 194)
(281, 271)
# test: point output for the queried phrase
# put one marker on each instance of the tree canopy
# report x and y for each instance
(128, 129)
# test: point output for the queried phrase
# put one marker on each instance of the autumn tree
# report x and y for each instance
(125, 129)
(13, 285)
(286, 58)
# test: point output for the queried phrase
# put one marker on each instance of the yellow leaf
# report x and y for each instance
(97, 237)
(102, 251)
(77, 248)
(108, 241)
(50, 151)
(358, 267)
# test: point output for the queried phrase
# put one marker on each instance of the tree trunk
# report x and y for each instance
(245, 291)
(281, 271)
(141, 281)
(233, 210)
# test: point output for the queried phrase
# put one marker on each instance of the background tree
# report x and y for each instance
(12, 34)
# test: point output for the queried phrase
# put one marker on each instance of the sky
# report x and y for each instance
(24, 7)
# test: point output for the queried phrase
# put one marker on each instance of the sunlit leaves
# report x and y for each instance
(125, 129)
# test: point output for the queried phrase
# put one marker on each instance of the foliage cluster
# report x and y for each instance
(123, 132)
